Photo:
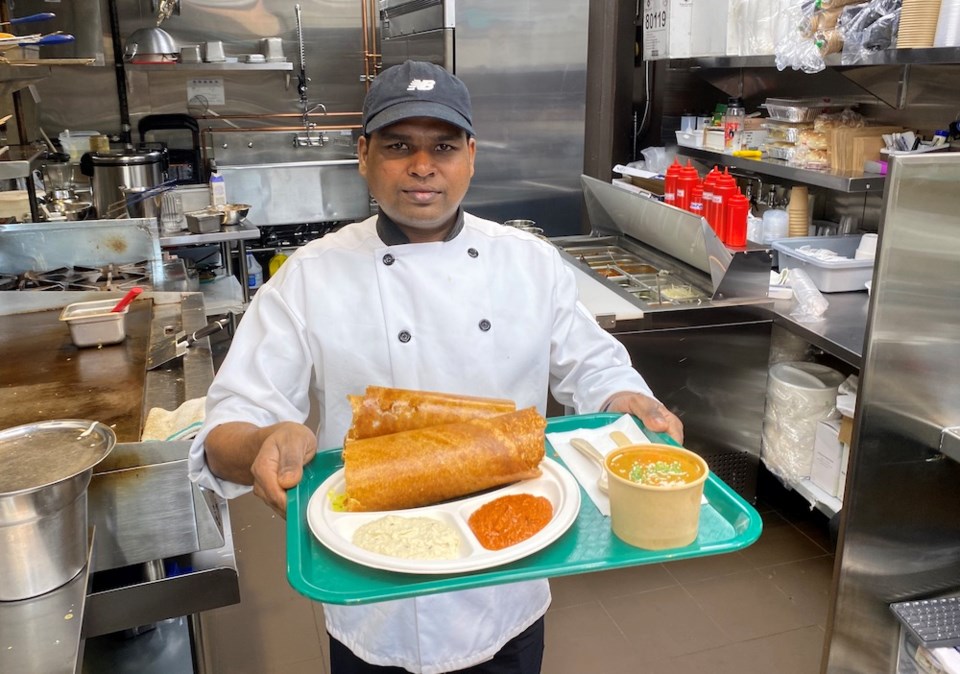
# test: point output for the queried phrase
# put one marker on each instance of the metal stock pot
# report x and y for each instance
(45, 468)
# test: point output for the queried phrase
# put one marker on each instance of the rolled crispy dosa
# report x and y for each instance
(429, 465)
(382, 411)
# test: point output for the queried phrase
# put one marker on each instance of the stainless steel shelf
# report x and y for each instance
(937, 55)
(14, 78)
(177, 67)
(868, 182)
(19, 161)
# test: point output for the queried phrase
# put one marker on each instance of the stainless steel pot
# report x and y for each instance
(45, 469)
(112, 171)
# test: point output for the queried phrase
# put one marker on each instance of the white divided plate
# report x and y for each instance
(335, 529)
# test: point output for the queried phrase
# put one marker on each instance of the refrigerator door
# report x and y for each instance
(900, 530)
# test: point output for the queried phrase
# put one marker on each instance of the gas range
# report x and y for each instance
(107, 277)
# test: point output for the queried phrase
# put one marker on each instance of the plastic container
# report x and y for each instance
(785, 132)
(737, 210)
(776, 225)
(796, 109)
(670, 183)
(76, 143)
(784, 151)
(733, 120)
(254, 272)
(690, 138)
(94, 324)
(689, 178)
(829, 276)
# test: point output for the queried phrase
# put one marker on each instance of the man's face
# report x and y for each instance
(418, 170)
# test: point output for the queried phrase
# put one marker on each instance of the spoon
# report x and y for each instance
(621, 439)
(594, 455)
(127, 299)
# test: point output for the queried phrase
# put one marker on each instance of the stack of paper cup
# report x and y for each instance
(799, 212)
(867, 248)
(948, 25)
(918, 24)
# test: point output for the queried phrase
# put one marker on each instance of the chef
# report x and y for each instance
(422, 296)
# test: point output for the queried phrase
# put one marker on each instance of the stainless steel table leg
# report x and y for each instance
(242, 254)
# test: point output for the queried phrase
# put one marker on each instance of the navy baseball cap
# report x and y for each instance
(416, 89)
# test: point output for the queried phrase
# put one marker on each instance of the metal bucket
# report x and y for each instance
(45, 469)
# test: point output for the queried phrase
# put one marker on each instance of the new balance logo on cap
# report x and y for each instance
(421, 85)
(416, 89)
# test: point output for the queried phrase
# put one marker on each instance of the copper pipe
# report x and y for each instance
(366, 46)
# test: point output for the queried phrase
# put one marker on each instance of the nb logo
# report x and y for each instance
(421, 85)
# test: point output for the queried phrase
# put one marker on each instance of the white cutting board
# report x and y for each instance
(601, 300)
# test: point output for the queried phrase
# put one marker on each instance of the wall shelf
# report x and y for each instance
(868, 182)
(887, 57)
(209, 67)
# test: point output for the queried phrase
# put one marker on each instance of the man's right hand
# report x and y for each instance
(287, 448)
(270, 458)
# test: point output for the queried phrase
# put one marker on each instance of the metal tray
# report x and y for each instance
(727, 523)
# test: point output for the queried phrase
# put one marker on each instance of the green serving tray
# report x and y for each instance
(727, 523)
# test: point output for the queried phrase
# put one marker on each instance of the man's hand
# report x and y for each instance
(270, 458)
(285, 450)
(650, 411)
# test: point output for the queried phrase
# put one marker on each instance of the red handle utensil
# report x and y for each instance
(127, 299)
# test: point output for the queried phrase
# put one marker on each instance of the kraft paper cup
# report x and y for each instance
(655, 518)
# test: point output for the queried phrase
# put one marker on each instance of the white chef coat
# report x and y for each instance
(491, 312)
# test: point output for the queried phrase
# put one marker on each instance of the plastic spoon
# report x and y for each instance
(621, 439)
(594, 455)
(126, 299)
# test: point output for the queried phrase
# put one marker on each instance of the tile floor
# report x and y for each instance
(759, 610)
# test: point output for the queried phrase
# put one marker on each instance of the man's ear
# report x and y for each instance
(362, 149)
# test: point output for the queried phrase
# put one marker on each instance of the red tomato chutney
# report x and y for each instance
(510, 519)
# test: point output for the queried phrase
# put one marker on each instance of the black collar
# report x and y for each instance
(392, 235)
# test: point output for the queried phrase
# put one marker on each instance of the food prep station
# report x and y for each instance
(161, 550)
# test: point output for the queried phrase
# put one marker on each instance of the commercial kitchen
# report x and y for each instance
(187, 148)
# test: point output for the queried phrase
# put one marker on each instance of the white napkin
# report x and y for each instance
(585, 470)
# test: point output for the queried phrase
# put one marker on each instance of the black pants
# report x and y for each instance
(521, 655)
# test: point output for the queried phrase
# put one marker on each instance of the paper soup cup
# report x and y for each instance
(655, 517)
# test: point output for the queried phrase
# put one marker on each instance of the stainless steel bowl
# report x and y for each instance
(150, 41)
(232, 214)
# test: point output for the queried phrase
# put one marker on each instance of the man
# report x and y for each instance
(423, 296)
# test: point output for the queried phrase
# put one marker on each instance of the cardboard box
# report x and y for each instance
(827, 456)
(667, 29)
(844, 464)
(846, 430)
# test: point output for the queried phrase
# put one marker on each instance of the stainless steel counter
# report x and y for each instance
(840, 333)
(163, 547)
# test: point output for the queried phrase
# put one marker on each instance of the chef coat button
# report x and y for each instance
(404, 336)
(472, 252)
(389, 259)
(484, 325)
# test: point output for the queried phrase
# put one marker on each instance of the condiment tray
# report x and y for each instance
(727, 523)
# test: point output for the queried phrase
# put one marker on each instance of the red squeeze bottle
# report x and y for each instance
(670, 183)
(688, 178)
(737, 208)
(709, 185)
(726, 186)
(696, 200)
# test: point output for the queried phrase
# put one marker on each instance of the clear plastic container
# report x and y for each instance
(797, 109)
(785, 132)
(784, 151)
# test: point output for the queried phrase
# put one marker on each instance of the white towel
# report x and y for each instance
(585, 470)
(182, 423)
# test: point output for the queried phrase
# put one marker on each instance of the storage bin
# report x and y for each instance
(830, 276)
(691, 138)
(94, 324)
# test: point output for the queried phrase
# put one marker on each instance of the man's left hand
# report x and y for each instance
(650, 411)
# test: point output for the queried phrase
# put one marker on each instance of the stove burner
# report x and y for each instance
(106, 278)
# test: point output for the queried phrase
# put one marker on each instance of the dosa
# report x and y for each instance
(383, 411)
(429, 465)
